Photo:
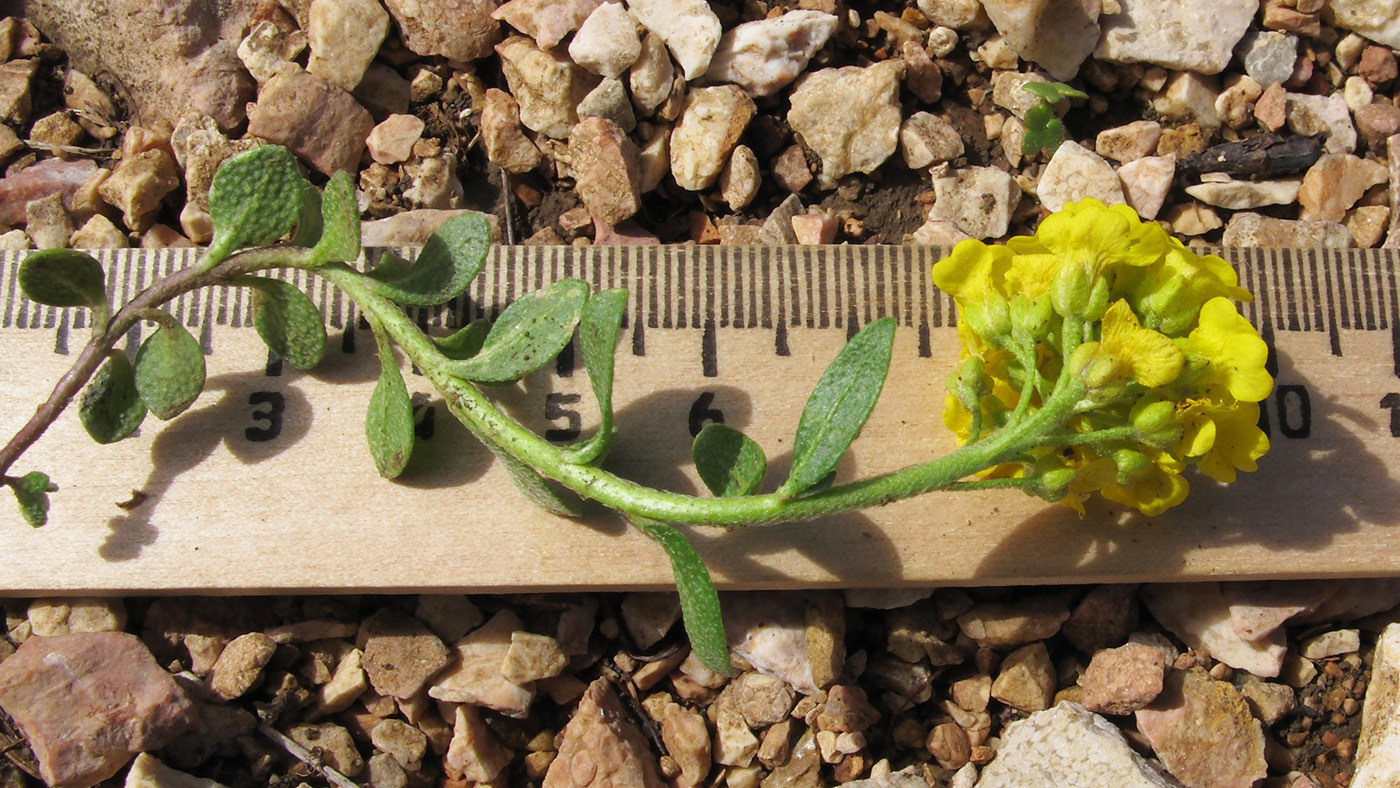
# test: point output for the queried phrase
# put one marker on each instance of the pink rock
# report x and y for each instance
(88, 702)
(1199, 615)
(1334, 183)
(601, 747)
(400, 653)
(313, 118)
(1203, 732)
(461, 30)
(814, 228)
(1124, 679)
(506, 145)
(627, 233)
(38, 181)
(1259, 608)
(546, 21)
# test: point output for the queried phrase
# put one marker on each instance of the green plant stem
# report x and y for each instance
(139, 308)
(482, 417)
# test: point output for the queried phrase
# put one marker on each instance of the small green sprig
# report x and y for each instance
(260, 198)
(1044, 130)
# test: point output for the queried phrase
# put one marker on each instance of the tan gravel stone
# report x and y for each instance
(404, 742)
(1124, 679)
(606, 169)
(474, 753)
(764, 56)
(1027, 679)
(1129, 142)
(98, 232)
(267, 49)
(240, 665)
(1005, 625)
(1367, 225)
(48, 223)
(346, 684)
(474, 675)
(546, 21)
(1055, 34)
(740, 178)
(532, 657)
(400, 654)
(344, 36)
(849, 116)
(1252, 229)
(391, 141)
(606, 43)
(1074, 173)
(1334, 183)
(334, 743)
(687, 739)
(815, 228)
(547, 85)
(706, 132)
(426, 30)
(689, 27)
(63, 616)
(927, 139)
(139, 184)
(652, 76)
(16, 103)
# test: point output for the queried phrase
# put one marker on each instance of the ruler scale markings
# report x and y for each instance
(1368, 293)
(9, 263)
(1334, 336)
(1314, 315)
(1288, 283)
(1389, 257)
(882, 272)
(1355, 301)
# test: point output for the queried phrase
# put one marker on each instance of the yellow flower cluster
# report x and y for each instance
(1165, 370)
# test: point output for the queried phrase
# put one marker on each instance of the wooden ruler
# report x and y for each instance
(265, 484)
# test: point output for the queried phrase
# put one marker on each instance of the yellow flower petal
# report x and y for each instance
(1157, 491)
(973, 271)
(1238, 444)
(1150, 358)
(1232, 350)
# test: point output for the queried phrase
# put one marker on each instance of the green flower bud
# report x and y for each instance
(1031, 319)
(1156, 422)
(991, 319)
(1161, 310)
(1071, 290)
(1131, 465)
(1096, 368)
(967, 384)
(1055, 483)
(1098, 300)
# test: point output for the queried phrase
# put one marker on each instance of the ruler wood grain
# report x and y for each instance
(265, 484)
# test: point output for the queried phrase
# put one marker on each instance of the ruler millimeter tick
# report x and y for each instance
(265, 484)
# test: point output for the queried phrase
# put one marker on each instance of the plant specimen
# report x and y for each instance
(1099, 356)
(1044, 131)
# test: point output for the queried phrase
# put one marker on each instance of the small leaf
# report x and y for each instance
(447, 264)
(254, 200)
(63, 277)
(538, 490)
(530, 332)
(287, 321)
(840, 404)
(1054, 91)
(1044, 131)
(389, 419)
(33, 495)
(169, 370)
(598, 330)
(466, 341)
(309, 217)
(111, 408)
(729, 462)
(340, 223)
(700, 610)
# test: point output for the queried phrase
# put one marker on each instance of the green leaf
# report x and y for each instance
(729, 462)
(700, 609)
(447, 264)
(169, 370)
(63, 277)
(599, 327)
(340, 223)
(1054, 91)
(538, 490)
(254, 200)
(33, 495)
(840, 404)
(1044, 131)
(389, 419)
(466, 341)
(530, 332)
(309, 218)
(287, 321)
(111, 408)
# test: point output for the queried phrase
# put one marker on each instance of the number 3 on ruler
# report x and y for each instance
(271, 415)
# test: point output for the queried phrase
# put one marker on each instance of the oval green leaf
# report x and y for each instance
(169, 370)
(1053, 91)
(33, 495)
(728, 461)
(389, 418)
(530, 332)
(446, 265)
(1044, 131)
(254, 200)
(63, 277)
(340, 223)
(308, 231)
(598, 329)
(547, 495)
(287, 321)
(466, 341)
(111, 408)
(840, 404)
(700, 609)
